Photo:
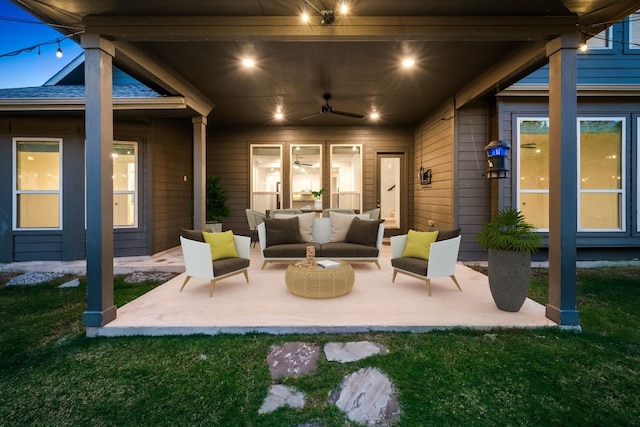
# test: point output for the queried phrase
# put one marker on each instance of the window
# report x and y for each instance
(533, 147)
(634, 31)
(601, 191)
(125, 195)
(601, 174)
(602, 40)
(266, 177)
(346, 177)
(306, 175)
(37, 183)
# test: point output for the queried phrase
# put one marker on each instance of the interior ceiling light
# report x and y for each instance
(328, 16)
(248, 62)
(374, 115)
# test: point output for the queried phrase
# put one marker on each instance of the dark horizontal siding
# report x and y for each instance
(37, 247)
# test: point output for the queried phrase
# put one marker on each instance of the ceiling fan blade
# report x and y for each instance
(347, 114)
(313, 115)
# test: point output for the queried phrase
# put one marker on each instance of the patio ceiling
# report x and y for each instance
(463, 49)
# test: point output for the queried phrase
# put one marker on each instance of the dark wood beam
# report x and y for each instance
(288, 28)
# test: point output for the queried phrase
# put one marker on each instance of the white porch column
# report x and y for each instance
(199, 171)
(99, 144)
(563, 179)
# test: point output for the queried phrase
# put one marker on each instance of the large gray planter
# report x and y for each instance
(509, 276)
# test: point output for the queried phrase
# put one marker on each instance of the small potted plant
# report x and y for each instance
(318, 196)
(510, 241)
(216, 208)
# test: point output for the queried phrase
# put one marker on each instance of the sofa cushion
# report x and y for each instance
(413, 265)
(305, 223)
(347, 250)
(446, 234)
(419, 243)
(340, 224)
(290, 251)
(228, 265)
(192, 234)
(363, 232)
(222, 245)
(282, 231)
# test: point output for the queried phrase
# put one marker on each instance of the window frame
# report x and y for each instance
(623, 178)
(293, 195)
(16, 192)
(608, 40)
(337, 194)
(519, 190)
(135, 192)
(631, 45)
(252, 176)
(622, 191)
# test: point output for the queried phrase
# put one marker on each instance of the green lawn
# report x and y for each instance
(51, 375)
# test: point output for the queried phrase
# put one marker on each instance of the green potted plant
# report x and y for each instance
(318, 196)
(216, 206)
(510, 241)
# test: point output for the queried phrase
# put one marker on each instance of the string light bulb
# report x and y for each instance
(59, 51)
(583, 44)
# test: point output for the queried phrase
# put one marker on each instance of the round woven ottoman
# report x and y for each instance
(318, 282)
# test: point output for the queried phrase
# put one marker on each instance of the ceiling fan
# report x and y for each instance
(326, 108)
(298, 164)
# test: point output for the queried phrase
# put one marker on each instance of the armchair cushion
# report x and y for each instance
(222, 245)
(446, 234)
(282, 231)
(419, 243)
(228, 265)
(363, 232)
(192, 234)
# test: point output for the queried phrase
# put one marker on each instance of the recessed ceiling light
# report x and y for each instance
(344, 9)
(374, 116)
(278, 115)
(248, 62)
(408, 62)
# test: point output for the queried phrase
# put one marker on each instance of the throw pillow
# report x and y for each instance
(282, 231)
(419, 244)
(363, 232)
(305, 223)
(192, 234)
(222, 245)
(340, 224)
(446, 234)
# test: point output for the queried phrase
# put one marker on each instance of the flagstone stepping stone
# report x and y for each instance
(352, 351)
(279, 396)
(368, 397)
(71, 284)
(292, 359)
(144, 276)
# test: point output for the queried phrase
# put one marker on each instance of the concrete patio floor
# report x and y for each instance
(265, 305)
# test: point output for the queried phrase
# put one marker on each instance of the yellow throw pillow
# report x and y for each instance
(222, 245)
(419, 243)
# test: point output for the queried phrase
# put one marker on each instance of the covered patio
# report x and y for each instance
(265, 305)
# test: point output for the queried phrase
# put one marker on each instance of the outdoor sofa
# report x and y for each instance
(352, 238)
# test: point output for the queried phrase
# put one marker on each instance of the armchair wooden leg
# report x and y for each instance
(395, 273)
(264, 264)
(185, 283)
(246, 276)
(428, 286)
(456, 282)
(213, 283)
(378, 264)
